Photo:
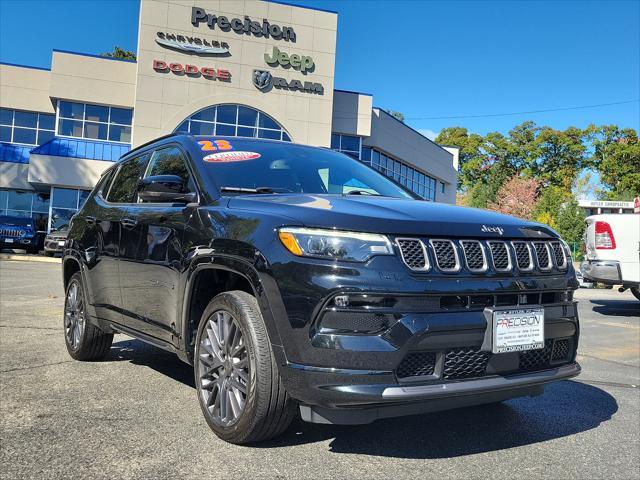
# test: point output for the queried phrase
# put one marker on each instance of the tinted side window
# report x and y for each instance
(170, 161)
(125, 185)
(105, 182)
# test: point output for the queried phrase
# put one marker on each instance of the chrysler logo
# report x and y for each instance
(193, 45)
(262, 79)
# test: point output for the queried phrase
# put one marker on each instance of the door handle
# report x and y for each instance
(128, 223)
(90, 220)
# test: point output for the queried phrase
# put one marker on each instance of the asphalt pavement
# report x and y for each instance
(136, 415)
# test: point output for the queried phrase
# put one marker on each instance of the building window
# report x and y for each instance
(233, 121)
(65, 202)
(27, 128)
(97, 122)
(20, 203)
(442, 187)
(416, 181)
(347, 144)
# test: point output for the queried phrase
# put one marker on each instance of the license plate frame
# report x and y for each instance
(517, 329)
(8, 240)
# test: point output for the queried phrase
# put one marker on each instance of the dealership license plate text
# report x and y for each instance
(518, 329)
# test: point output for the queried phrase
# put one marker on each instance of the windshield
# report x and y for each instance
(15, 221)
(241, 166)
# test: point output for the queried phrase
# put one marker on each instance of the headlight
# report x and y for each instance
(334, 244)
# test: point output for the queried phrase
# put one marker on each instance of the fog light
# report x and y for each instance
(341, 301)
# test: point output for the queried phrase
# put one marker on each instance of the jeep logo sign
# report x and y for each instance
(297, 62)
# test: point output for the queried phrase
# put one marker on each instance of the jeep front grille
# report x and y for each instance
(452, 256)
(446, 255)
(464, 363)
(414, 253)
(474, 256)
(470, 362)
(524, 259)
(559, 255)
(11, 232)
(542, 254)
(417, 365)
(500, 256)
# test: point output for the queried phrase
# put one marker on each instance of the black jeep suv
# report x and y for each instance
(297, 279)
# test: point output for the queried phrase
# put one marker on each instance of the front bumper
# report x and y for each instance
(336, 356)
(54, 246)
(603, 271)
(398, 401)
(16, 242)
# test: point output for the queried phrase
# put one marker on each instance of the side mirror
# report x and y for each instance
(164, 189)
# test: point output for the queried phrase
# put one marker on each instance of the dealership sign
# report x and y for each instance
(242, 27)
(298, 62)
(194, 45)
(264, 80)
(191, 70)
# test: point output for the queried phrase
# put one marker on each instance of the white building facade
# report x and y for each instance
(233, 68)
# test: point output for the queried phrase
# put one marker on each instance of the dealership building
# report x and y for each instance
(242, 68)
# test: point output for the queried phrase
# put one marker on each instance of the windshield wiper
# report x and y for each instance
(257, 190)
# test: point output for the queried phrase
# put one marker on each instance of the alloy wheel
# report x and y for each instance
(223, 368)
(74, 319)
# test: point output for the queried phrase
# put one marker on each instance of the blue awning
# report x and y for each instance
(82, 148)
(14, 153)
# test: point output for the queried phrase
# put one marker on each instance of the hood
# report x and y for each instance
(59, 233)
(391, 216)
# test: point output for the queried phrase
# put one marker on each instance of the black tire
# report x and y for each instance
(86, 342)
(636, 292)
(268, 410)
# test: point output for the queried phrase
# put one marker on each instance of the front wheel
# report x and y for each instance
(636, 292)
(239, 388)
(84, 340)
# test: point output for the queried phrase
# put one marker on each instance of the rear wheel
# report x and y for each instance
(84, 340)
(636, 292)
(239, 388)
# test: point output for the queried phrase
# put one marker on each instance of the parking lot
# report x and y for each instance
(136, 414)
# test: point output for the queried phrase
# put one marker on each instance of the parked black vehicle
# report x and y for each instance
(55, 240)
(20, 233)
(296, 278)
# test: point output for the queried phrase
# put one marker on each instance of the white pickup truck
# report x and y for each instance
(613, 251)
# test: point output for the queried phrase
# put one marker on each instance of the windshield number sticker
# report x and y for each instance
(226, 157)
(214, 146)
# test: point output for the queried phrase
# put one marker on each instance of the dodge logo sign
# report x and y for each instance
(262, 79)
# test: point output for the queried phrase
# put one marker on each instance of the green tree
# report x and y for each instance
(560, 156)
(549, 204)
(616, 156)
(120, 53)
(469, 145)
(570, 225)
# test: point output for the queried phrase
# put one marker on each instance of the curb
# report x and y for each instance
(30, 258)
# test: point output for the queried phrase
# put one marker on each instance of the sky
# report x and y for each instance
(430, 60)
